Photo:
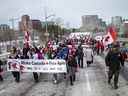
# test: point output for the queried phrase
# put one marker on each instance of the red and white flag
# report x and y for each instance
(27, 38)
(110, 37)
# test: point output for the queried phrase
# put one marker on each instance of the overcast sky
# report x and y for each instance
(69, 10)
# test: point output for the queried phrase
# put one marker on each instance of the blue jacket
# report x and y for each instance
(63, 53)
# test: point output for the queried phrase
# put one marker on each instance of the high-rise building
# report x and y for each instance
(92, 23)
(25, 23)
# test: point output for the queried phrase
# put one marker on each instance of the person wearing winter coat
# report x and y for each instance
(15, 55)
(88, 54)
(72, 65)
(25, 51)
(113, 62)
(1, 70)
(61, 53)
(80, 54)
(123, 57)
(37, 55)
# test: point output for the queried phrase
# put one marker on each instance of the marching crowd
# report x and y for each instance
(74, 57)
(65, 50)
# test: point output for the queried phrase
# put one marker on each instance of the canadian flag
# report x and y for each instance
(110, 37)
(27, 38)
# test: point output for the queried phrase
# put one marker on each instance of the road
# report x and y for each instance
(91, 81)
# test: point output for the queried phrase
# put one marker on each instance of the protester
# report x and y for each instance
(123, 57)
(98, 47)
(49, 53)
(102, 47)
(113, 62)
(25, 51)
(80, 54)
(61, 53)
(37, 55)
(88, 54)
(72, 65)
(123, 53)
(1, 70)
(15, 55)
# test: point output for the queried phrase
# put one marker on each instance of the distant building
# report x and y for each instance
(117, 21)
(123, 32)
(36, 29)
(25, 23)
(33, 26)
(125, 25)
(30, 24)
(4, 27)
(6, 33)
(36, 24)
(92, 23)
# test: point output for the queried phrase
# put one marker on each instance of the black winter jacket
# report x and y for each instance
(72, 62)
(113, 60)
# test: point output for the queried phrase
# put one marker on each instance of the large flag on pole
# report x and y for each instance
(113, 33)
(110, 37)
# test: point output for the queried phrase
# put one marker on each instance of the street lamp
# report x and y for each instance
(59, 23)
(47, 33)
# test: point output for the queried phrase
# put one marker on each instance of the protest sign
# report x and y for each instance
(31, 65)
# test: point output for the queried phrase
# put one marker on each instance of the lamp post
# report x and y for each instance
(59, 23)
(46, 25)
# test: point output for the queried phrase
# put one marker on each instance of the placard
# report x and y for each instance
(31, 65)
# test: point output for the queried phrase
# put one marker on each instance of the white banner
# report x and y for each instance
(80, 34)
(31, 65)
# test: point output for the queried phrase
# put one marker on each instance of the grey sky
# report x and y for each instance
(70, 10)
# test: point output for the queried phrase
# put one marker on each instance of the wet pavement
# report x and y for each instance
(90, 81)
(93, 82)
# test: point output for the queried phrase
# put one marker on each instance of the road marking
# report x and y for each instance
(88, 82)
